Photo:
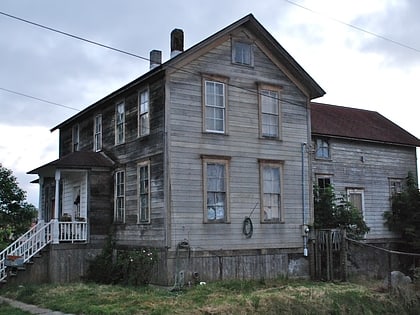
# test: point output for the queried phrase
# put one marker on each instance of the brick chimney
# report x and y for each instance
(177, 42)
(155, 59)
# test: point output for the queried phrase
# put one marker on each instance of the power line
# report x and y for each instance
(358, 28)
(123, 52)
(73, 36)
(38, 99)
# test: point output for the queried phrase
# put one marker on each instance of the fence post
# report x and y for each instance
(343, 255)
(389, 270)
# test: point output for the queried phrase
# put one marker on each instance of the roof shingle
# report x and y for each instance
(352, 123)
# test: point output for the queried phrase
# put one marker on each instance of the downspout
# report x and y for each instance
(305, 229)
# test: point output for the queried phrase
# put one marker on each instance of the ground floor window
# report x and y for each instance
(119, 203)
(271, 191)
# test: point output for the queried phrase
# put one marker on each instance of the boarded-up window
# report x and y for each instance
(119, 123)
(216, 190)
(144, 192)
(144, 128)
(119, 212)
(215, 106)
(271, 196)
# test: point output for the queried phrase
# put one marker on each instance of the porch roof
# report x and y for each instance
(76, 160)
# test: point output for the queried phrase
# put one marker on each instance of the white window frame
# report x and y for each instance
(322, 149)
(264, 207)
(76, 138)
(119, 199)
(358, 191)
(269, 93)
(143, 113)
(210, 106)
(242, 53)
(208, 211)
(396, 186)
(143, 186)
(120, 123)
(97, 133)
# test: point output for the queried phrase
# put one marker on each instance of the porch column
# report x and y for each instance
(40, 206)
(55, 227)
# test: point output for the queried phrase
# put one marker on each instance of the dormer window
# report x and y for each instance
(242, 53)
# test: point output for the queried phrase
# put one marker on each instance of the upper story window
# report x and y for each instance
(119, 202)
(322, 148)
(270, 112)
(216, 190)
(144, 192)
(97, 135)
(75, 137)
(214, 106)
(120, 123)
(143, 120)
(242, 53)
(271, 191)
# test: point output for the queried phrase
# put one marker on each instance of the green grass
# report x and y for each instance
(230, 297)
(6, 309)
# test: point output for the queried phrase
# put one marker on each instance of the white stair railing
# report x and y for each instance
(27, 246)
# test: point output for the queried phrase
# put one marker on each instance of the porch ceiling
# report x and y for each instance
(75, 160)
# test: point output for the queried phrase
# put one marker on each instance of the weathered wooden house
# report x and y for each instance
(207, 158)
(365, 156)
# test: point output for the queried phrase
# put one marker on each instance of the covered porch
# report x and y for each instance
(65, 193)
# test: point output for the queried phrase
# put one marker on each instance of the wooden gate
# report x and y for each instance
(330, 256)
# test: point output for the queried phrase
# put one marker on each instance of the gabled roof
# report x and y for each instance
(351, 123)
(250, 22)
(76, 160)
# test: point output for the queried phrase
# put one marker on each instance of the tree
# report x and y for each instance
(404, 217)
(337, 212)
(16, 214)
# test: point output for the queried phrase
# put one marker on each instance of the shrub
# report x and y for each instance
(130, 267)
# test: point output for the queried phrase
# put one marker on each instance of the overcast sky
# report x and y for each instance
(334, 41)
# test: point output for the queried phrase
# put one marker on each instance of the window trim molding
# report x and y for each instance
(116, 122)
(316, 149)
(140, 114)
(273, 88)
(225, 160)
(122, 221)
(75, 131)
(149, 210)
(97, 148)
(280, 165)
(217, 79)
(357, 190)
(235, 41)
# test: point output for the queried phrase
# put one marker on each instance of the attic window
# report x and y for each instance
(242, 53)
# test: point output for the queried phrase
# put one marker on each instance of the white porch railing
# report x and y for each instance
(39, 236)
(72, 231)
(26, 246)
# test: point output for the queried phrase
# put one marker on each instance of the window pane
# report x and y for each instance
(242, 53)
(271, 193)
(356, 200)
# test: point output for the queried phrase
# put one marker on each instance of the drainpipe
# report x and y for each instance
(305, 228)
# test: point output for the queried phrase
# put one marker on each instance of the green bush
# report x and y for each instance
(130, 267)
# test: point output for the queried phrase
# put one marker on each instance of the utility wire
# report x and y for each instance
(284, 100)
(358, 28)
(73, 36)
(38, 99)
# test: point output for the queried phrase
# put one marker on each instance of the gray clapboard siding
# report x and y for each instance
(242, 144)
(380, 163)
